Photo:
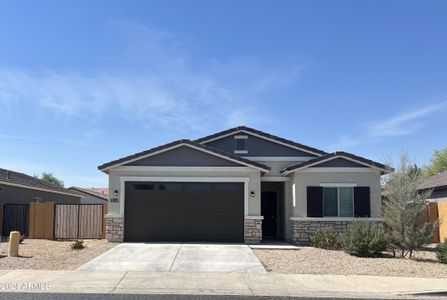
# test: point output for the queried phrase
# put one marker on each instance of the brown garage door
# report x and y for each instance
(184, 212)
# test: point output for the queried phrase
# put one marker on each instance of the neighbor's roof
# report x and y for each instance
(330, 156)
(83, 191)
(435, 181)
(12, 178)
(261, 134)
(175, 144)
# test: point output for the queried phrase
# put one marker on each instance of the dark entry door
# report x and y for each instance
(184, 211)
(268, 210)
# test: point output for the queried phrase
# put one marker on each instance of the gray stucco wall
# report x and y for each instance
(257, 147)
(302, 179)
(183, 156)
(17, 195)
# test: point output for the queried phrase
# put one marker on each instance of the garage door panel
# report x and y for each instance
(194, 212)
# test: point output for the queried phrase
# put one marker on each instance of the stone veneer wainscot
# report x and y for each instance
(114, 229)
(253, 230)
(303, 229)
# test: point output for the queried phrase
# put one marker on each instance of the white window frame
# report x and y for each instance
(338, 199)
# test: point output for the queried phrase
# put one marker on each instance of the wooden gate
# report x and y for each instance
(78, 221)
(15, 218)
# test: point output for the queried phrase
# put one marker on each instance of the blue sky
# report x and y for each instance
(85, 82)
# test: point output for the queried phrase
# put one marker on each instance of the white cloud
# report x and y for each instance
(407, 122)
(168, 92)
(404, 123)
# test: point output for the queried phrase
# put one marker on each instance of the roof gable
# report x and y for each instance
(184, 156)
(169, 147)
(309, 151)
(338, 160)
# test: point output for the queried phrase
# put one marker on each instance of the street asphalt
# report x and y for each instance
(57, 296)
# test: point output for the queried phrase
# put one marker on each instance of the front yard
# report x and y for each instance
(310, 260)
(51, 255)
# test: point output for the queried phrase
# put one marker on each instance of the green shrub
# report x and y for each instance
(441, 252)
(326, 238)
(78, 245)
(365, 239)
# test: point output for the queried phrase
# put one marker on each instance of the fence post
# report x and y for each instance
(32, 220)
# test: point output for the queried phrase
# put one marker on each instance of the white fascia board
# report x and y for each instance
(332, 158)
(179, 145)
(274, 178)
(262, 137)
(40, 189)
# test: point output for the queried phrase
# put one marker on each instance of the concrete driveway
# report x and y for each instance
(177, 258)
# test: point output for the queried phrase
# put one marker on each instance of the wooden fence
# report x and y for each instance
(78, 221)
(41, 223)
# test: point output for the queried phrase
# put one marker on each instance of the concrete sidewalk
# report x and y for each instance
(260, 284)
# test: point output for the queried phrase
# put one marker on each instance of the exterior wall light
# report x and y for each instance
(115, 193)
(252, 193)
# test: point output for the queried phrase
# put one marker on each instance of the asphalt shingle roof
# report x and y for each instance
(435, 181)
(7, 176)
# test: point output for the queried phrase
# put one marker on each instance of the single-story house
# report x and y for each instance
(437, 202)
(437, 184)
(19, 188)
(238, 185)
(91, 196)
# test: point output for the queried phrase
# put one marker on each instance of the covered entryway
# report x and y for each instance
(184, 211)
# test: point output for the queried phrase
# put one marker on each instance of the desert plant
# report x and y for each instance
(326, 238)
(78, 245)
(404, 210)
(441, 252)
(365, 239)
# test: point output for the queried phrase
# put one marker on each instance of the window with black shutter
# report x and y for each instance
(362, 202)
(314, 201)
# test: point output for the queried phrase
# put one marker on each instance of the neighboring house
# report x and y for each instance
(438, 184)
(238, 185)
(91, 196)
(18, 188)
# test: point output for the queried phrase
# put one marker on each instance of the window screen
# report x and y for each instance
(346, 201)
(330, 205)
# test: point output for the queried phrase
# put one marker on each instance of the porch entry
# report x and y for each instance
(272, 209)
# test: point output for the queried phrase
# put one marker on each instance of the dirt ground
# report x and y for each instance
(309, 260)
(51, 255)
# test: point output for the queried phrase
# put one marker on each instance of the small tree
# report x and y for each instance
(48, 177)
(405, 208)
(438, 163)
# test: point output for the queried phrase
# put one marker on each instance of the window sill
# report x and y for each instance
(240, 151)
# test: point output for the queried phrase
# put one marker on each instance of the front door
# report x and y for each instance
(268, 210)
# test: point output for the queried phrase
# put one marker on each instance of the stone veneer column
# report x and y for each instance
(304, 230)
(115, 229)
(253, 230)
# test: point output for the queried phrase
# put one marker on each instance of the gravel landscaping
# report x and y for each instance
(51, 255)
(309, 260)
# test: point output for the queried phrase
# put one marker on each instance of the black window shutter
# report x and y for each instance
(362, 206)
(314, 201)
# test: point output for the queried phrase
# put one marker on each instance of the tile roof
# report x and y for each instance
(26, 181)
(317, 160)
(89, 192)
(261, 133)
(435, 181)
(185, 142)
